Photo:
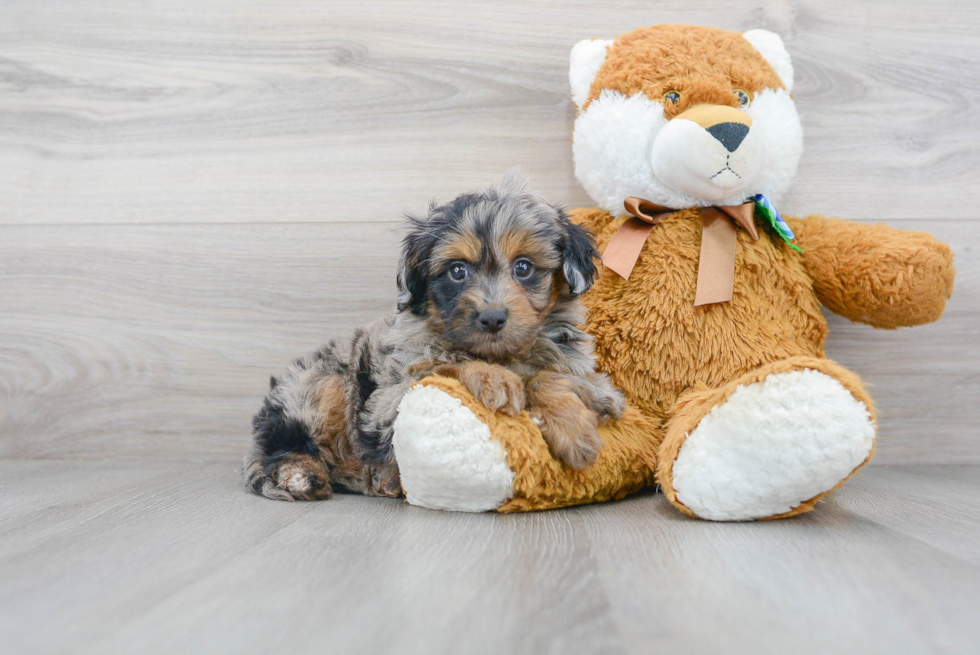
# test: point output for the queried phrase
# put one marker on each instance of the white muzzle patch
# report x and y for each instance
(713, 164)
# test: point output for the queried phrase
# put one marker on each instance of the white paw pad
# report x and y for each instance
(772, 445)
(445, 455)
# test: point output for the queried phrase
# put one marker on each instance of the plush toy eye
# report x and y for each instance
(672, 97)
(458, 272)
(523, 269)
(743, 98)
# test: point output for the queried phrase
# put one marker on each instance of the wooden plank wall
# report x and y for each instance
(193, 192)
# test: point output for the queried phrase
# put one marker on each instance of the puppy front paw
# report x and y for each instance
(571, 432)
(610, 407)
(498, 388)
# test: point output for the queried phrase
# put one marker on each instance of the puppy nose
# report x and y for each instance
(730, 134)
(493, 320)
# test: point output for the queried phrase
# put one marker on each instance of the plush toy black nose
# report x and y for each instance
(493, 320)
(730, 134)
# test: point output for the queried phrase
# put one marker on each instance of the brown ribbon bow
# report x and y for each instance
(716, 266)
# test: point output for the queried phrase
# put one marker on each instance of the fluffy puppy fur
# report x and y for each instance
(487, 295)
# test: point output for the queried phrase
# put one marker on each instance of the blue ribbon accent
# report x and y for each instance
(780, 224)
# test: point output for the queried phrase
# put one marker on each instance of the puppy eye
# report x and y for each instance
(672, 97)
(743, 98)
(523, 269)
(458, 272)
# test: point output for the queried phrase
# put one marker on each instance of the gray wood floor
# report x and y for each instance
(172, 557)
(193, 192)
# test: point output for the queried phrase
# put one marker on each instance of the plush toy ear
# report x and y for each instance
(577, 257)
(584, 63)
(771, 47)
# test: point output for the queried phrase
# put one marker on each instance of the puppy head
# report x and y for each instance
(487, 268)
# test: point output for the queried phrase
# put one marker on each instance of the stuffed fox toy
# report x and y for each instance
(707, 310)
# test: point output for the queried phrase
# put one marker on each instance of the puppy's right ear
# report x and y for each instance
(412, 276)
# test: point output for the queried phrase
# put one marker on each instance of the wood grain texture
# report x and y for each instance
(128, 341)
(195, 192)
(938, 507)
(223, 111)
(830, 581)
(165, 557)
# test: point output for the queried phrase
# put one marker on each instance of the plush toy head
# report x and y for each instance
(684, 116)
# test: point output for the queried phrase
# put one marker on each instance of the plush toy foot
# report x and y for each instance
(768, 445)
(446, 458)
(455, 454)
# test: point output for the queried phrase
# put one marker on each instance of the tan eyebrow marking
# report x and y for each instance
(524, 243)
(464, 247)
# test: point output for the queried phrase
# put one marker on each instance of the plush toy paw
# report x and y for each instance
(454, 453)
(768, 445)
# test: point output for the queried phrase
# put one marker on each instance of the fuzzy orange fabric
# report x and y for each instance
(876, 274)
(675, 361)
(656, 345)
(695, 405)
(702, 65)
(625, 465)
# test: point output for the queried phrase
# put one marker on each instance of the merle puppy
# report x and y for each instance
(486, 294)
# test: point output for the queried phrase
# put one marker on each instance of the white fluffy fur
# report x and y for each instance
(445, 455)
(584, 63)
(770, 46)
(611, 146)
(771, 446)
(621, 144)
(774, 116)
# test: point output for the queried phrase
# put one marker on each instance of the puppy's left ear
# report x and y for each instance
(577, 256)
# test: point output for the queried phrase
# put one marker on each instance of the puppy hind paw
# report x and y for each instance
(303, 485)
(257, 479)
(269, 489)
(295, 477)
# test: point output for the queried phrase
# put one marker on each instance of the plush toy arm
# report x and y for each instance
(455, 454)
(876, 274)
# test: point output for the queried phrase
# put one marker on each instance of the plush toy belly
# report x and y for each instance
(656, 344)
